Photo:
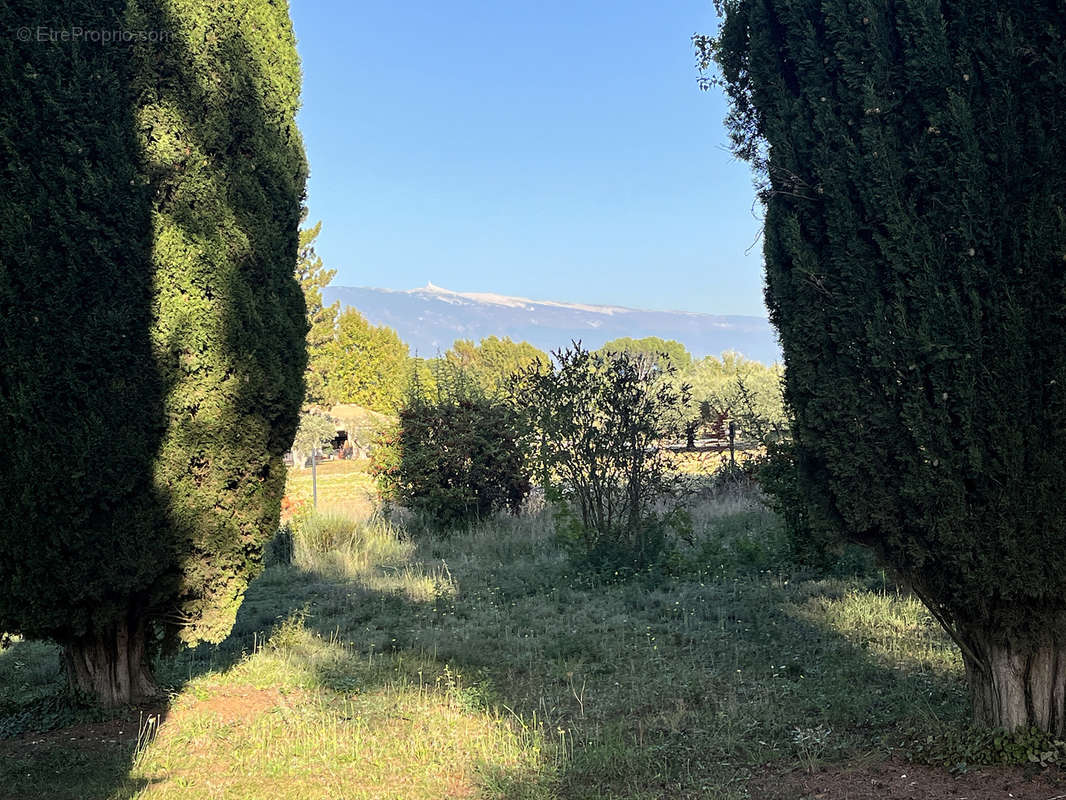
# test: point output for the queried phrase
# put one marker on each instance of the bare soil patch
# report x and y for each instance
(233, 703)
(230, 704)
(122, 731)
(898, 780)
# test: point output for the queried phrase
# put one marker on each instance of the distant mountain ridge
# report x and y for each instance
(430, 318)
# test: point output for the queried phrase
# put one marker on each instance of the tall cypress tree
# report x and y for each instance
(153, 340)
(914, 160)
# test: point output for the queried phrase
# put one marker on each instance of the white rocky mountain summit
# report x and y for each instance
(430, 318)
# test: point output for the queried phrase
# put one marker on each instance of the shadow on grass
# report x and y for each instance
(658, 687)
(661, 686)
(56, 746)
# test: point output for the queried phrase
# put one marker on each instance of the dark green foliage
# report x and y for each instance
(778, 476)
(598, 420)
(971, 747)
(152, 347)
(76, 483)
(817, 551)
(321, 320)
(914, 175)
(456, 455)
(227, 167)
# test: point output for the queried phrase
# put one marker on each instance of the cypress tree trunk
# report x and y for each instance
(111, 665)
(1016, 685)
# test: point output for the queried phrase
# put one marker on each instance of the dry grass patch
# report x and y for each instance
(390, 743)
(308, 717)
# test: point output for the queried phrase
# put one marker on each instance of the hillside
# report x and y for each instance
(429, 319)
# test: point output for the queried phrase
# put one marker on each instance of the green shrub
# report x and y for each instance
(385, 462)
(279, 549)
(779, 479)
(597, 422)
(456, 455)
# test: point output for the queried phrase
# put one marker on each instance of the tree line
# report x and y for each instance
(353, 361)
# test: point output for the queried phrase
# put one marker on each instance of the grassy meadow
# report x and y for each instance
(481, 665)
(344, 487)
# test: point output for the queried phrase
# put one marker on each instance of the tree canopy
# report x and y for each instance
(653, 349)
(367, 364)
(748, 391)
(492, 362)
(153, 339)
(315, 432)
(321, 320)
(913, 171)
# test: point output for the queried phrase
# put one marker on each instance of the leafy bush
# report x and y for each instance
(960, 750)
(456, 455)
(597, 422)
(385, 463)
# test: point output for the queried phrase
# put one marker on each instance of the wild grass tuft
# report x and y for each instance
(339, 545)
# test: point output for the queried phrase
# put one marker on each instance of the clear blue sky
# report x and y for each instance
(553, 150)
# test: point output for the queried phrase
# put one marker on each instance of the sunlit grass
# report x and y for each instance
(311, 717)
(893, 625)
(344, 487)
(482, 665)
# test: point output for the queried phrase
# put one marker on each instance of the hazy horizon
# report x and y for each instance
(575, 302)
